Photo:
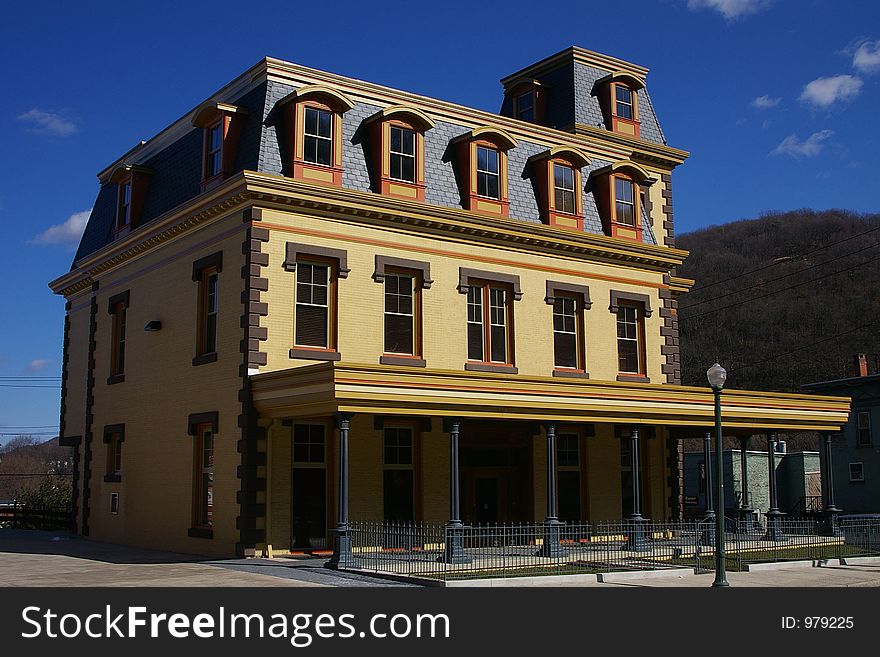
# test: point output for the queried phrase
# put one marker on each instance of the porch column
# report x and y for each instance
(454, 552)
(342, 554)
(831, 511)
(551, 546)
(774, 532)
(636, 539)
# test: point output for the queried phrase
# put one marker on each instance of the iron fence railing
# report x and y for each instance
(16, 516)
(444, 552)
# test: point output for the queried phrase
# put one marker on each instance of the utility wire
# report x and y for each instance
(806, 346)
(784, 289)
(10, 385)
(779, 262)
(779, 278)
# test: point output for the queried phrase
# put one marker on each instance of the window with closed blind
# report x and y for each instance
(317, 271)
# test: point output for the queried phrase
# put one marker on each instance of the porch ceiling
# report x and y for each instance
(318, 390)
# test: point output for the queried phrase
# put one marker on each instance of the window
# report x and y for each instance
(308, 444)
(487, 172)
(482, 169)
(397, 143)
(863, 429)
(856, 472)
(313, 291)
(400, 314)
(568, 476)
(563, 185)
(114, 435)
(488, 324)
(204, 476)
(214, 150)
(557, 181)
(308, 526)
(206, 272)
(118, 309)
(221, 125)
(623, 98)
(629, 330)
(566, 333)
(398, 476)
(525, 106)
(318, 137)
(123, 214)
(624, 205)
(403, 154)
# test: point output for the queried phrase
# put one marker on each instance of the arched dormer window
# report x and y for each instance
(131, 183)
(558, 179)
(621, 191)
(313, 120)
(525, 99)
(221, 124)
(482, 158)
(619, 98)
(397, 136)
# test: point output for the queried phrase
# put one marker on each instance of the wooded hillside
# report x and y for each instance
(782, 300)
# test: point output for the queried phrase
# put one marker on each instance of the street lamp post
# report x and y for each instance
(717, 375)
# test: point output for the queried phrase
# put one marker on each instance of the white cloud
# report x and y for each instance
(824, 92)
(866, 58)
(731, 9)
(38, 365)
(67, 233)
(48, 123)
(797, 149)
(765, 102)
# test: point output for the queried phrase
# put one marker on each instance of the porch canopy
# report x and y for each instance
(340, 387)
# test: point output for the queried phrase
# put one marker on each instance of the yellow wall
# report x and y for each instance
(360, 333)
(161, 389)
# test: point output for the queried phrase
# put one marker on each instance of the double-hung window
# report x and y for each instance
(123, 214)
(204, 476)
(206, 272)
(564, 189)
(398, 476)
(568, 465)
(623, 102)
(400, 314)
(118, 309)
(629, 338)
(525, 106)
(863, 429)
(624, 199)
(114, 435)
(214, 150)
(318, 137)
(403, 154)
(488, 172)
(313, 297)
(566, 333)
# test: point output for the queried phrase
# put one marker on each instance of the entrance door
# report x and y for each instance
(486, 500)
(308, 521)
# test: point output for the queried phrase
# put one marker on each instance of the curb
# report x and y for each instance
(539, 581)
(629, 575)
(860, 561)
(786, 565)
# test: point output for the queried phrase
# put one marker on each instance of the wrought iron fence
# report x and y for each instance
(514, 550)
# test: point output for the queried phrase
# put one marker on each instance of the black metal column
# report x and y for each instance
(551, 546)
(454, 552)
(342, 554)
(774, 532)
(636, 539)
(832, 528)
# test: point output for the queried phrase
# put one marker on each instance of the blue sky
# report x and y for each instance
(775, 99)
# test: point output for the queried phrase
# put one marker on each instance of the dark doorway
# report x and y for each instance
(398, 494)
(486, 498)
(308, 527)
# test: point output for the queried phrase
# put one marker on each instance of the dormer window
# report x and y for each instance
(221, 126)
(403, 154)
(318, 137)
(482, 169)
(558, 180)
(131, 182)
(619, 98)
(397, 138)
(621, 189)
(123, 214)
(525, 106)
(313, 126)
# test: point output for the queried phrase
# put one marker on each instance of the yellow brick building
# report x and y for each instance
(314, 299)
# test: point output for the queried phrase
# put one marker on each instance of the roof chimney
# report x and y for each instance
(861, 363)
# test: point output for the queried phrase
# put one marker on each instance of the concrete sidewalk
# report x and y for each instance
(32, 558)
